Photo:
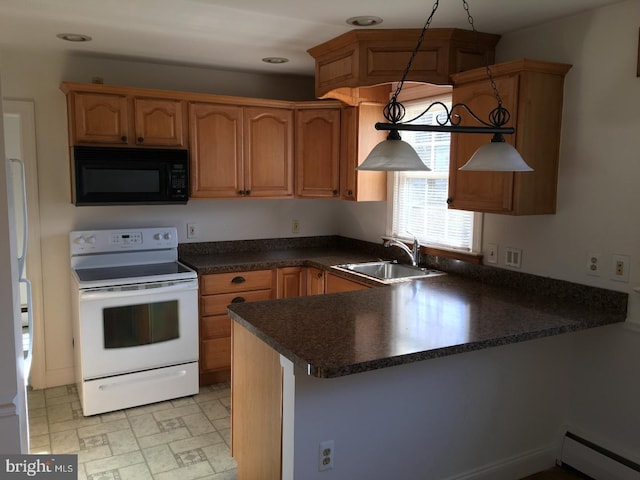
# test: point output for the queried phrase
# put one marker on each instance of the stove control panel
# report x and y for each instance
(111, 241)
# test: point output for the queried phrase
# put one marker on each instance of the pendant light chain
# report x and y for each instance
(499, 116)
(394, 111)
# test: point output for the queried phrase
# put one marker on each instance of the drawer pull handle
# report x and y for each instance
(238, 280)
(238, 300)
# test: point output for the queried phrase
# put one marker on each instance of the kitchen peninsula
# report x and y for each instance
(400, 378)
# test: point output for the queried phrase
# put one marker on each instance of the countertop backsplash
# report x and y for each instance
(593, 297)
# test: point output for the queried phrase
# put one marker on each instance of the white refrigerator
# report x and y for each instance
(14, 430)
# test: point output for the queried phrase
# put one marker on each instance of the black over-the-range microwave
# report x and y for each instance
(129, 176)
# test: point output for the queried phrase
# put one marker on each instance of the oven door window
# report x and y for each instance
(134, 325)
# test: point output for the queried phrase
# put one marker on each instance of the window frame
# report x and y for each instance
(473, 255)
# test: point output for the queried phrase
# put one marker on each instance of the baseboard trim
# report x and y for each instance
(59, 377)
(517, 466)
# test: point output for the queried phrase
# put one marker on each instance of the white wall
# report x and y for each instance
(598, 198)
(493, 414)
(599, 168)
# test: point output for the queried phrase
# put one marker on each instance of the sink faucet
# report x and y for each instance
(414, 252)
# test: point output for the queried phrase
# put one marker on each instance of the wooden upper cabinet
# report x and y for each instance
(532, 91)
(359, 137)
(268, 152)
(352, 66)
(215, 144)
(123, 119)
(98, 118)
(318, 152)
(159, 122)
(240, 151)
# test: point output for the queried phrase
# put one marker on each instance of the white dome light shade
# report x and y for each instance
(496, 156)
(393, 155)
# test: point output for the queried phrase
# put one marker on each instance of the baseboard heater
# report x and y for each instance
(595, 461)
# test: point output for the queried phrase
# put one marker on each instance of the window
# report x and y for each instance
(419, 202)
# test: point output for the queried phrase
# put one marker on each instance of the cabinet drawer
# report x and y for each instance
(236, 281)
(216, 326)
(216, 353)
(217, 304)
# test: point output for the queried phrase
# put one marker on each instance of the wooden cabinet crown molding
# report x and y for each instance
(68, 87)
(371, 57)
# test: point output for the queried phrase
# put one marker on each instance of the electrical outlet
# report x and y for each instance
(492, 253)
(620, 268)
(192, 230)
(325, 455)
(295, 226)
(513, 257)
(594, 264)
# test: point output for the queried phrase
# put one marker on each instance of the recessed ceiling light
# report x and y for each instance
(275, 60)
(364, 21)
(74, 37)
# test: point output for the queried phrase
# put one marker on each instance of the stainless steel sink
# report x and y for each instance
(388, 272)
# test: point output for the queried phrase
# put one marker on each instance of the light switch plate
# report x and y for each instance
(491, 256)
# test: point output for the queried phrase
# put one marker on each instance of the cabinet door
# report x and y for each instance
(158, 122)
(100, 118)
(268, 152)
(336, 284)
(315, 281)
(359, 137)
(291, 282)
(318, 152)
(481, 191)
(215, 141)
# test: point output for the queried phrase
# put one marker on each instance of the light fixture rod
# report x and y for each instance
(443, 128)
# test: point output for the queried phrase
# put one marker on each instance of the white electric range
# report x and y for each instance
(135, 317)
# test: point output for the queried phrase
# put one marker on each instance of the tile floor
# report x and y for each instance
(186, 438)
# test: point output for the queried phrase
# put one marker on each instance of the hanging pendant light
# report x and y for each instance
(497, 156)
(392, 155)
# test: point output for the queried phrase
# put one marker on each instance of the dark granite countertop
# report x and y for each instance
(346, 333)
(471, 308)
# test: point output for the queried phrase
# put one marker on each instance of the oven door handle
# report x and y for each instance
(122, 291)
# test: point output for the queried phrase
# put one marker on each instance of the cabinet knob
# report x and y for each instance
(238, 300)
(240, 192)
(247, 192)
(238, 280)
(449, 201)
(335, 193)
(350, 192)
(123, 138)
(320, 274)
(140, 140)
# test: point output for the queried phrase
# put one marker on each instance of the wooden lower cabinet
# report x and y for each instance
(336, 284)
(291, 282)
(217, 291)
(315, 281)
(256, 407)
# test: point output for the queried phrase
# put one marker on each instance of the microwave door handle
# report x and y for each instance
(102, 293)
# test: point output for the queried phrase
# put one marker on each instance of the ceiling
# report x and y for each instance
(237, 34)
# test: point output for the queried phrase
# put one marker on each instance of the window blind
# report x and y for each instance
(420, 198)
